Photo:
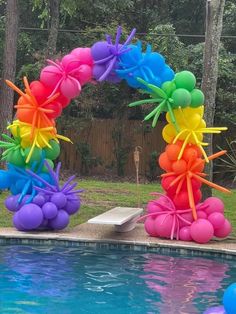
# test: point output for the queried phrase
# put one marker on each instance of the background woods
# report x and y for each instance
(175, 29)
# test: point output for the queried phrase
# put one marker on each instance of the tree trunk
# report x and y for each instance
(214, 18)
(9, 63)
(54, 12)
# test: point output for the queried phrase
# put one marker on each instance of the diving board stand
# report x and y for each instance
(123, 218)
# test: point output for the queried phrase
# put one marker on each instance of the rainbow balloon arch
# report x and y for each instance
(39, 201)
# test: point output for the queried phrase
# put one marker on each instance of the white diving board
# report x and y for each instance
(123, 218)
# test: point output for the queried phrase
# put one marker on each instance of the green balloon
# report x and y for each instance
(36, 155)
(185, 79)
(15, 157)
(168, 87)
(54, 152)
(51, 164)
(197, 98)
(181, 98)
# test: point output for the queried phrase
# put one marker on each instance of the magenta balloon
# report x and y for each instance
(49, 210)
(16, 222)
(202, 231)
(30, 216)
(59, 199)
(186, 216)
(214, 205)
(152, 207)
(185, 234)
(60, 221)
(216, 310)
(84, 55)
(224, 231)
(217, 220)
(201, 214)
(39, 200)
(72, 206)
(100, 50)
(150, 227)
(163, 225)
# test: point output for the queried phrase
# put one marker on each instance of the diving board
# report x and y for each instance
(123, 218)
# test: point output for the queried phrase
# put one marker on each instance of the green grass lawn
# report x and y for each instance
(100, 196)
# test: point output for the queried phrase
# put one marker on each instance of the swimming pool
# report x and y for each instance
(47, 279)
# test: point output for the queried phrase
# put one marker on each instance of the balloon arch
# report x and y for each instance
(38, 199)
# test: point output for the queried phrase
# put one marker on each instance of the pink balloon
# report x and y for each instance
(84, 74)
(50, 75)
(163, 225)
(70, 63)
(224, 231)
(152, 207)
(70, 88)
(214, 205)
(185, 234)
(84, 55)
(186, 216)
(150, 227)
(201, 214)
(217, 220)
(201, 231)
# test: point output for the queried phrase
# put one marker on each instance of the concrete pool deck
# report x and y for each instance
(90, 233)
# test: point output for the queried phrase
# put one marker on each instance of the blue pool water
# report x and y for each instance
(44, 279)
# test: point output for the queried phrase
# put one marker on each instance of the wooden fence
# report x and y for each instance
(106, 136)
(99, 135)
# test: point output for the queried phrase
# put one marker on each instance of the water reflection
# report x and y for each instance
(184, 283)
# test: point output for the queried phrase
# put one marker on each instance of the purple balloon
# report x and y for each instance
(30, 216)
(59, 199)
(39, 200)
(49, 210)
(12, 204)
(16, 222)
(100, 50)
(98, 70)
(72, 206)
(215, 310)
(61, 221)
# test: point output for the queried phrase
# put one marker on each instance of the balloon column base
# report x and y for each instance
(164, 220)
(41, 214)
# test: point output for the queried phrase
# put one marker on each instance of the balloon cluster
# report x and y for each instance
(229, 302)
(31, 150)
(165, 219)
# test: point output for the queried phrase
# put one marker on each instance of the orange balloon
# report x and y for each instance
(164, 162)
(172, 151)
(179, 166)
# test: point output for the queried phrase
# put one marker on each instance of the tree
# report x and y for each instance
(9, 62)
(54, 13)
(214, 18)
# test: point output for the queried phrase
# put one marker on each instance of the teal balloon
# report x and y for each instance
(185, 79)
(181, 98)
(54, 152)
(229, 299)
(15, 157)
(36, 155)
(197, 98)
(168, 87)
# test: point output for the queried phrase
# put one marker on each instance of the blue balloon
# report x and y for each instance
(5, 180)
(229, 299)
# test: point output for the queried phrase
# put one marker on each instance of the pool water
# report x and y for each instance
(44, 279)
